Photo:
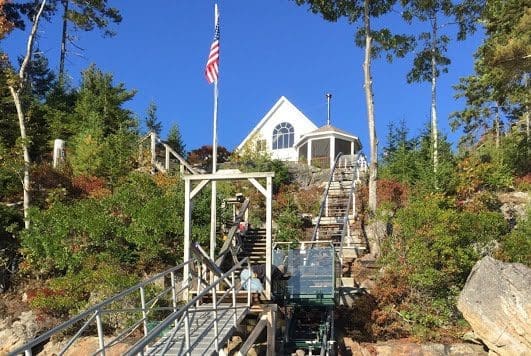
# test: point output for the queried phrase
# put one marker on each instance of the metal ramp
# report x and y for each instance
(202, 332)
(171, 323)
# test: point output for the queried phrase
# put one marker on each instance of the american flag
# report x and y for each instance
(212, 70)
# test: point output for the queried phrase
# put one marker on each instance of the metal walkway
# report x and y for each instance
(202, 332)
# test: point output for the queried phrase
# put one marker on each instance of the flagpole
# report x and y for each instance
(213, 205)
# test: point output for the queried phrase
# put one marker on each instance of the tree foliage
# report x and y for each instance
(175, 140)
(500, 85)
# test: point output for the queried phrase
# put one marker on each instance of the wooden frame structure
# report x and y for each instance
(202, 180)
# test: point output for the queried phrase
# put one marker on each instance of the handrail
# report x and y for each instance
(97, 310)
(325, 196)
(155, 332)
(355, 172)
(232, 232)
(178, 156)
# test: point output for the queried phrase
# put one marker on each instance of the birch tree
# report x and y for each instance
(374, 43)
(431, 60)
(16, 87)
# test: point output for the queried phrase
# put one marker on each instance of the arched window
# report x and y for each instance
(283, 136)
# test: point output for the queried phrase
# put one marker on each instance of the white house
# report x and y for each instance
(287, 134)
(279, 130)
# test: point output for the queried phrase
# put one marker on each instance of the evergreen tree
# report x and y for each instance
(500, 86)
(151, 120)
(100, 102)
(85, 15)
(175, 140)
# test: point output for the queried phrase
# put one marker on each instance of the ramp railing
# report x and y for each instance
(152, 307)
(182, 316)
(134, 305)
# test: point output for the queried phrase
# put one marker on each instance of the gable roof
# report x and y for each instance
(328, 129)
(280, 102)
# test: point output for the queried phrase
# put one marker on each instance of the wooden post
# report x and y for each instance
(269, 227)
(187, 230)
(271, 329)
(153, 151)
(167, 163)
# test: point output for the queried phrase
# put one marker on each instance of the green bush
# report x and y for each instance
(434, 246)
(74, 292)
(516, 246)
(140, 224)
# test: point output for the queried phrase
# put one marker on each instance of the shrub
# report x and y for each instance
(516, 246)
(74, 292)
(433, 248)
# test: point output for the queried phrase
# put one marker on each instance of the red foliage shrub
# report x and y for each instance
(523, 182)
(392, 192)
(44, 176)
(90, 186)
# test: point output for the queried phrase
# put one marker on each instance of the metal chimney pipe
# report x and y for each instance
(328, 97)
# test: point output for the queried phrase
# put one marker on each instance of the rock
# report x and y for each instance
(376, 232)
(15, 333)
(496, 301)
(84, 346)
(514, 206)
(405, 348)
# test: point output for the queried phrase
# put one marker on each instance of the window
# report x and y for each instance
(261, 145)
(283, 136)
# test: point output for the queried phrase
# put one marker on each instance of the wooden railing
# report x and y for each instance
(169, 153)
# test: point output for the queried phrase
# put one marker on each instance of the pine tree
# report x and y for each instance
(151, 120)
(175, 140)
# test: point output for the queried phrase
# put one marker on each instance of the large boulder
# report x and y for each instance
(496, 301)
(16, 332)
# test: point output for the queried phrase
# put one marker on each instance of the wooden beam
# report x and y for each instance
(198, 188)
(244, 349)
(258, 186)
(228, 176)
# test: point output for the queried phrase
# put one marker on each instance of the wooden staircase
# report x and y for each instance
(339, 221)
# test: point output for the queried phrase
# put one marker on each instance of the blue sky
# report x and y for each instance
(268, 49)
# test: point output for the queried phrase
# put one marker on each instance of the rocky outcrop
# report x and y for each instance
(496, 301)
(514, 205)
(401, 348)
(15, 333)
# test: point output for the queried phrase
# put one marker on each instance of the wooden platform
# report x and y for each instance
(202, 335)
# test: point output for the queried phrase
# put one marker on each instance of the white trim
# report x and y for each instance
(326, 134)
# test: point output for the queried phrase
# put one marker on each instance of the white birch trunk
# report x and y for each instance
(16, 93)
(434, 129)
(373, 168)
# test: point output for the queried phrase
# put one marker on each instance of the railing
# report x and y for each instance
(346, 221)
(96, 315)
(182, 316)
(99, 316)
(168, 153)
(324, 198)
(232, 244)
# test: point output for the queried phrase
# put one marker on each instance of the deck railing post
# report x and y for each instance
(233, 281)
(167, 162)
(99, 326)
(144, 313)
(215, 305)
(187, 332)
(249, 283)
(174, 293)
(153, 151)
